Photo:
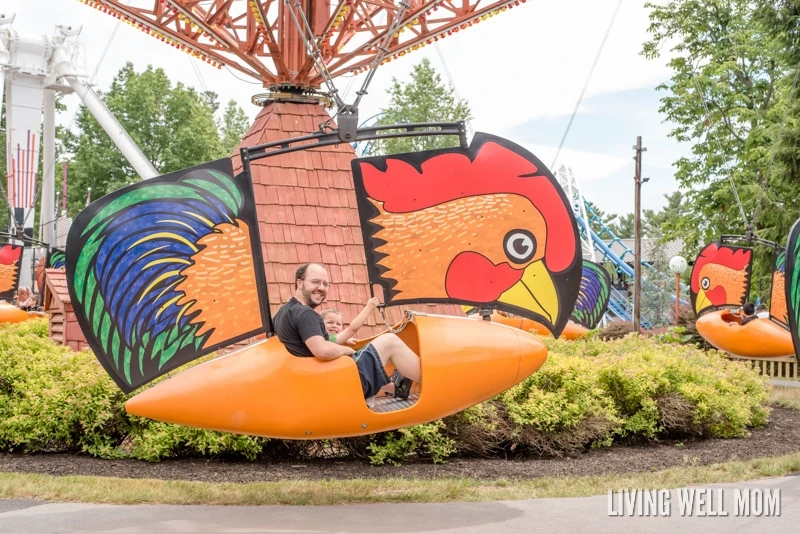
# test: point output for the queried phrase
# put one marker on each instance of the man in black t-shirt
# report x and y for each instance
(302, 331)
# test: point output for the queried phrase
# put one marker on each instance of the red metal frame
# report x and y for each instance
(259, 38)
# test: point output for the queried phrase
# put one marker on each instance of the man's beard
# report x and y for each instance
(307, 296)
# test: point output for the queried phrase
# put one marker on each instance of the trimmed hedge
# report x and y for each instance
(590, 393)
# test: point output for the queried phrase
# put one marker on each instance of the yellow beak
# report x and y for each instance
(701, 302)
(535, 292)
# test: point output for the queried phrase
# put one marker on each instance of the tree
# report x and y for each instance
(656, 224)
(423, 99)
(173, 125)
(233, 127)
(622, 226)
(726, 58)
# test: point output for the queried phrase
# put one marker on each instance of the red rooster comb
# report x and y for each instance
(9, 254)
(736, 258)
(494, 169)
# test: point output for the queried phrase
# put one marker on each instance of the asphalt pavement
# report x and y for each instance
(773, 505)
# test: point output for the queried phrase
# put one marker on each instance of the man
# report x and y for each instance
(302, 331)
(762, 312)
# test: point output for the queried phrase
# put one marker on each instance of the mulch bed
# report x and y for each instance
(780, 436)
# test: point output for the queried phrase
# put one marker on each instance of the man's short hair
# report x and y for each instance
(328, 311)
(300, 273)
(761, 308)
(749, 308)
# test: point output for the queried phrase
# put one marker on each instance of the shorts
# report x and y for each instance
(370, 370)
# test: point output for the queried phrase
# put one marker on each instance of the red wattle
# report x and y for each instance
(475, 278)
(717, 296)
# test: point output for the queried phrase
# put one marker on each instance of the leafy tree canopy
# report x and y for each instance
(424, 98)
(172, 124)
(733, 64)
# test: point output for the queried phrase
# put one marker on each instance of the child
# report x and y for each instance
(334, 323)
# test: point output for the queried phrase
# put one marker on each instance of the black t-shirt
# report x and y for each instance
(295, 323)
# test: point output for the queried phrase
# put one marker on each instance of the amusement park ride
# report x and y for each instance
(170, 269)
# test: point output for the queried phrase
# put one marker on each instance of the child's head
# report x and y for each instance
(333, 319)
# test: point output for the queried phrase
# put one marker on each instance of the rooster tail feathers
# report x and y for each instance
(140, 262)
(593, 296)
(792, 285)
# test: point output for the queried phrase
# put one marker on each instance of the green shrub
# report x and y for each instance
(428, 441)
(54, 399)
(589, 393)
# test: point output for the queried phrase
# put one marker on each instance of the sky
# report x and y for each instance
(522, 73)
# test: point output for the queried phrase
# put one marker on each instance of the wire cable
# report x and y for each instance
(775, 148)
(586, 85)
(452, 84)
(719, 147)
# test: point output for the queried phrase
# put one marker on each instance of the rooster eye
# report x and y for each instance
(705, 283)
(519, 245)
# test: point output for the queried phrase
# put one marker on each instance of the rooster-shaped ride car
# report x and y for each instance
(720, 281)
(165, 271)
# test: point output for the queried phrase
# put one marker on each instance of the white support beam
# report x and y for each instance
(113, 128)
(47, 213)
(63, 65)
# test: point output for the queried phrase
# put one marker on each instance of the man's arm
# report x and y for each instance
(325, 350)
(357, 322)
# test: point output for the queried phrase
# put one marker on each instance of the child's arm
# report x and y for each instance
(357, 322)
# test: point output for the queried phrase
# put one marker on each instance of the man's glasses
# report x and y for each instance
(317, 283)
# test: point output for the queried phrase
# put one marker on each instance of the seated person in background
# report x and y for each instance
(748, 312)
(302, 331)
(334, 323)
(762, 311)
(25, 299)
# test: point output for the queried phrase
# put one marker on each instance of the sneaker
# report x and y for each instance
(402, 387)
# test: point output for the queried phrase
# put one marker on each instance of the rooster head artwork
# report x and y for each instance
(10, 260)
(720, 277)
(164, 271)
(486, 225)
(777, 299)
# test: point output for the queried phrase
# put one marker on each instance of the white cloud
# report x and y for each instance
(528, 62)
(585, 165)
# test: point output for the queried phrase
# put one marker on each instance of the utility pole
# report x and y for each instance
(637, 234)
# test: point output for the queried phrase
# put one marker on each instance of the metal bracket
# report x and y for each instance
(321, 139)
(485, 313)
(347, 119)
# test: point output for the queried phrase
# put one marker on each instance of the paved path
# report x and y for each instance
(785, 383)
(585, 514)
